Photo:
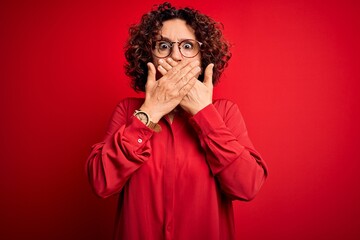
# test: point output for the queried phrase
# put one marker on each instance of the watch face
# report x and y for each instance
(142, 117)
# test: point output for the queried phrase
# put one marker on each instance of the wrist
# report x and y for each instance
(146, 120)
(154, 115)
(194, 110)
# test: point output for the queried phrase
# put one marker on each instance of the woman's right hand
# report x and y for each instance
(163, 95)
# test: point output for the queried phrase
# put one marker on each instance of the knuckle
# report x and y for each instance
(185, 78)
(173, 94)
(174, 70)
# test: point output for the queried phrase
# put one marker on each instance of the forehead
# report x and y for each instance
(176, 30)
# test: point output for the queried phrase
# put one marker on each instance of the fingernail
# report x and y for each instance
(169, 59)
(161, 61)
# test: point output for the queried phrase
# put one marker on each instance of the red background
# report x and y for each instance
(294, 74)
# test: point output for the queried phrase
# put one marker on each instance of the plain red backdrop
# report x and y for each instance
(294, 74)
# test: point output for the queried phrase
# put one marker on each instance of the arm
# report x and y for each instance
(126, 146)
(237, 167)
(121, 153)
(229, 151)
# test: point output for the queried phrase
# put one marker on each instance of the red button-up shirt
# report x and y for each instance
(178, 183)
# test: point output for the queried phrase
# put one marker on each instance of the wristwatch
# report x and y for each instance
(145, 119)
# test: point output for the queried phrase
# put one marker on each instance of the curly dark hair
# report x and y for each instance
(138, 49)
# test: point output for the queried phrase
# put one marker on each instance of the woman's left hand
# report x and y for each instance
(200, 95)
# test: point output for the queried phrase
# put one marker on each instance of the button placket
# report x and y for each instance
(169, 185)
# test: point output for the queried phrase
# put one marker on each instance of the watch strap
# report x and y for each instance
(154, 126)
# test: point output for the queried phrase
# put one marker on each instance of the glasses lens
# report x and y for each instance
(189, 48)
(162, 48)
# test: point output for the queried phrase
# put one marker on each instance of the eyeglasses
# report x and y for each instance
(189, 48)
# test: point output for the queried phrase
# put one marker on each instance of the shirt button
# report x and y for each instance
(139, 140)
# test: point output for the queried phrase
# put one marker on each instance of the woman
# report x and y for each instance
(177, 158)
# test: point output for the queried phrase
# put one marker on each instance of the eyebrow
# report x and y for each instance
(169, 40)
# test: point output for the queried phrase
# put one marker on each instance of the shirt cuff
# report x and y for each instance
(206, 120)
(137, 132)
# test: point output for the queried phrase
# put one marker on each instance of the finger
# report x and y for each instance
(187, 87)
(189, 76)
(180, 69)
(186, 72)
(208, 76)
(171, 62)
(151, 78)
(165, 64)
(162, 70)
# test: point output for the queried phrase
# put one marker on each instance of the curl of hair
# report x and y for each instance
(138, 49)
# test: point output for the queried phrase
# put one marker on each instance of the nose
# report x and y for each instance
(175, 53)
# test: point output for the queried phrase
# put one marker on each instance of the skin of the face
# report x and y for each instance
(176, 30)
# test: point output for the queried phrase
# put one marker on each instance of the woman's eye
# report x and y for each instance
(164, 46)
(187, 46)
